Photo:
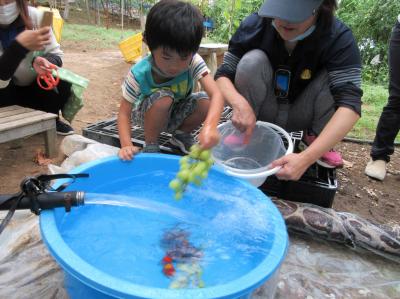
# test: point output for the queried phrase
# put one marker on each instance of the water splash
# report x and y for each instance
(156, 207)
(123, 231)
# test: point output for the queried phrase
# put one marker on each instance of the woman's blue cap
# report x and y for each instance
(293, 11)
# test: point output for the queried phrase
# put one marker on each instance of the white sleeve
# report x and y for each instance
(36, 17)
(130, 88)
(198, 68)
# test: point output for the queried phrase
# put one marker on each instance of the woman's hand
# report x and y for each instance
(126, 153)
(208, 137)
(293, 166)
(243, 117)
(35, 40)
(244, 120)
(42, 66)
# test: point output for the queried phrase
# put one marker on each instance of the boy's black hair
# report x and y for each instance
(175, 25)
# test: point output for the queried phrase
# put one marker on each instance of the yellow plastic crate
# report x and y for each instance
(131, 47)
(58, 21)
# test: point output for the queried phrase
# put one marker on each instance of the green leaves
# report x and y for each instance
(371, 22)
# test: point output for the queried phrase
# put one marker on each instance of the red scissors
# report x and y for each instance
(51, 81)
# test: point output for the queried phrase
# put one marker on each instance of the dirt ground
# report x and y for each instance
(373, 200)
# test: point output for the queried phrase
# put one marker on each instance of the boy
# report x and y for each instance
(159, 87)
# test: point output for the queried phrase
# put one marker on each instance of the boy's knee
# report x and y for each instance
(203, 104)
(162, 104)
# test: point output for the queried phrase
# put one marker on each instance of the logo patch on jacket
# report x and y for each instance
(305, 74)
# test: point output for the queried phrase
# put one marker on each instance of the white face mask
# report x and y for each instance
(300, 36)
(8, 13)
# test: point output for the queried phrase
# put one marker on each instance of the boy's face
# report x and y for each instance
(170, 62)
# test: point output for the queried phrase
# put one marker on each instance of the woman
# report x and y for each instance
(25, 52)
(294, 64)
(389, 122)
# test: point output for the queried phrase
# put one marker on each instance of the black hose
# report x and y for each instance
(362, 141)
(45, 201)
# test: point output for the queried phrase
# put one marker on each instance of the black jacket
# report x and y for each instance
(332, 48)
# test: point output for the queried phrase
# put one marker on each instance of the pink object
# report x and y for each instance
(234, 140)
(331, 159)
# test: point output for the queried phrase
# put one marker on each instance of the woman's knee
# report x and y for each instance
(253, 63)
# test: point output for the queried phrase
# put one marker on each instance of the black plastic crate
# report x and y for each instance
(107, 132)
(318, 186)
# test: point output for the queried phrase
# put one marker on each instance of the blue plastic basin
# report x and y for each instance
(112, 251)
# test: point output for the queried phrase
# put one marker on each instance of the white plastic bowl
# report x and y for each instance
(251, 161)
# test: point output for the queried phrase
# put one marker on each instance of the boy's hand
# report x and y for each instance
(208, 137)
(126, 153)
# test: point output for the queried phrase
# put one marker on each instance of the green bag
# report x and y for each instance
(75, 101)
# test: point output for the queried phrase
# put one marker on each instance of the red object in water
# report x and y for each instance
(166, 259)
(168, 270)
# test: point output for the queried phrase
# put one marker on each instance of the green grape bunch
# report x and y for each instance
(194, 169)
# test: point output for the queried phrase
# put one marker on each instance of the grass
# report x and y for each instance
(99, 37)
(374, 99)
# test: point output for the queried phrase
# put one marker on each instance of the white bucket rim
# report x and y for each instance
(252, 174)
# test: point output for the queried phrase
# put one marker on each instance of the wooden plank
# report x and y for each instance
(50, 139)
(25, 116)
(207, 49)
(14, 109)
(211, 61)
(17, 122)
(31, 121)
(20, 132)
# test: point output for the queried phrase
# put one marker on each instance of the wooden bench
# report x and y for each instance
(212, 55)
(17, 122)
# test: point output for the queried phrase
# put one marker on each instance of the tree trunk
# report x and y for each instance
(87, 10)
(66, 10)
(122, 15)
(98, 12)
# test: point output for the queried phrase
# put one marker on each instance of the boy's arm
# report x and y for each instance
(209, 135)
(128, 150)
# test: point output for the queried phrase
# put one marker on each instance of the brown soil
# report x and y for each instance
(378, 201)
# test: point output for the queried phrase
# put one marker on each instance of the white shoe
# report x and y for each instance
(376, 169)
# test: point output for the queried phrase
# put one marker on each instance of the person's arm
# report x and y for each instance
(343, 64)
(243, 117)
(128, 150)
(51, 56)
(27, 40)
(294, 165)
(247, 37)
(130, 93)
(10, 60)
(52, 52)
(209, 135)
